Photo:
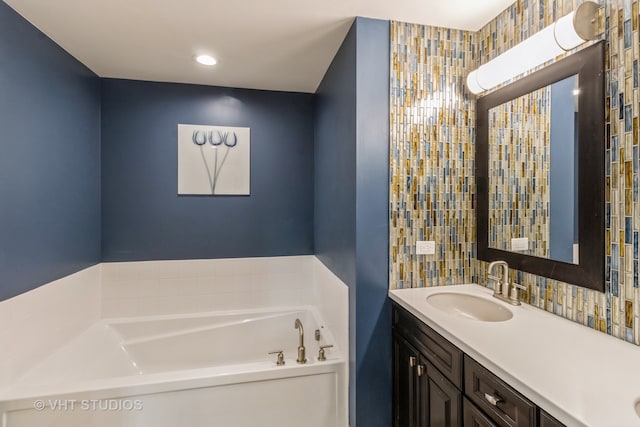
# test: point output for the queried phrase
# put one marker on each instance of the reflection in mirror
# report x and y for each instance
(540, 178)
(533, 166)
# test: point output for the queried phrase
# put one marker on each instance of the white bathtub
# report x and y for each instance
(206, 369)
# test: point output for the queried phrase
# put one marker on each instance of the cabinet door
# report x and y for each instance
(473, 417)
(547, 420)
(405, 384)
(440, 401)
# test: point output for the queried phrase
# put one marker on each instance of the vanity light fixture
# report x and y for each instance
(206, 60)
(566, 33)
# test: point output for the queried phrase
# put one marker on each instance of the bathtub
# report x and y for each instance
(205, 369)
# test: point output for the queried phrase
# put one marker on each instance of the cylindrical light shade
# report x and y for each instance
(472, 82)
(565, 33)
(543, 46)
(534, 51)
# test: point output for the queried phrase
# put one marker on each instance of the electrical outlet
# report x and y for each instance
(520, 244)
(425, 247)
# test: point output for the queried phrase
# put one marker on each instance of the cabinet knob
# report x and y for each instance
(420, 370)
(412, 361)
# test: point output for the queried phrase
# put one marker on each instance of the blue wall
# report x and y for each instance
(373, 312)
(563, 198)
(335, 182)
(351, 207)
(144, 218)
(50, 161)
(335, 164)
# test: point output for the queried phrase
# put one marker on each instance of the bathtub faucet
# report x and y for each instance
(301, 352)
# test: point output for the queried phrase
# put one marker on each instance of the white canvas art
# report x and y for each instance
(213, 160)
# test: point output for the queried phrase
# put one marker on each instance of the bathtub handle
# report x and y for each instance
(280, 354)
(321, 355)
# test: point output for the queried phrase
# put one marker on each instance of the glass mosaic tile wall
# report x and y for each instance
(432, 156)
(432, 152)
(519, 160)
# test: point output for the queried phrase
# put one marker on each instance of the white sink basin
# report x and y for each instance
(470, 306)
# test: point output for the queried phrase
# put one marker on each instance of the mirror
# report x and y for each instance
(533, 196)
(540, 171)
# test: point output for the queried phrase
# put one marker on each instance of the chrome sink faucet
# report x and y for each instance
(301, 351)
(501, 287)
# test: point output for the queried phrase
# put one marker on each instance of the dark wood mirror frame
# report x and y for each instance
(588, 64)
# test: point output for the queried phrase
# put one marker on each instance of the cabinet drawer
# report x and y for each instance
(446, 357)
(473, 417)
(547, 420)
(505, 406)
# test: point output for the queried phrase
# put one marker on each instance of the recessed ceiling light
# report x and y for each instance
(206, 60)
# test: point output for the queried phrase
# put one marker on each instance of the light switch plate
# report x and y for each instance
(520, 244)
(425, 247)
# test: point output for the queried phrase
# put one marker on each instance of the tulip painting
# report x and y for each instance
(213, 160)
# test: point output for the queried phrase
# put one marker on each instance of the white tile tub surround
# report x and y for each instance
(131, 289)
(189, 286)
(332, 301)
(36, 323)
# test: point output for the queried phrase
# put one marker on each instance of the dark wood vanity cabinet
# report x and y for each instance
(436, 385)
(422, 395)
(427, 375)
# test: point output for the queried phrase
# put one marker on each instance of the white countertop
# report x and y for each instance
(580, 376)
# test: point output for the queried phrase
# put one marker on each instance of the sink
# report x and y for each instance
(470, 306)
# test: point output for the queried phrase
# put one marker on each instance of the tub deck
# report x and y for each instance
(207, 362)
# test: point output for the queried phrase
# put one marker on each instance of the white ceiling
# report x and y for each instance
(261, 44)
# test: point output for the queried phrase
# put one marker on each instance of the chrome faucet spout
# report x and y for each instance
(298, 326)
(502, 283)
(301, 350)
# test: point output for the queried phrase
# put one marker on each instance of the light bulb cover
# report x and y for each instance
(565, 33)
(543, 46)
(534, 51)
(206, 60)
(472, 83)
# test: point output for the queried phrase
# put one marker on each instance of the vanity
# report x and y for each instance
(464, 358)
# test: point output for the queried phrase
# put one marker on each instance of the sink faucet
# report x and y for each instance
(301, 351)
(501, 287)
